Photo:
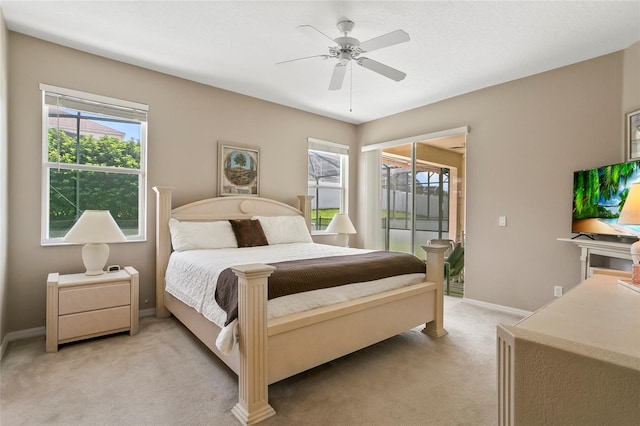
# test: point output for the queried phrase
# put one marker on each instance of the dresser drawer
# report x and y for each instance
(89, 298)
(94, 322)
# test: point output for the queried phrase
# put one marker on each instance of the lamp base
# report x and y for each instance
(342, 240)
(94, 257)
(635, 256)
(635, 274)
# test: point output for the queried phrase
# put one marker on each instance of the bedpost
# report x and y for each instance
(253, 386)
(163, 244)
(305, 207)
(435, 274)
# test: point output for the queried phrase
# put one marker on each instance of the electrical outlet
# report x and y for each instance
(557, 290)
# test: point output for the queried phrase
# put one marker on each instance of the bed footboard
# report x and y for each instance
(253, 405)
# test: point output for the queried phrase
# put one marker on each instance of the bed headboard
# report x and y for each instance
(211, 209)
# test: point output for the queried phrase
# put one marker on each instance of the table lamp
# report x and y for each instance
(341, 225)
(630, 215)
(95, 228)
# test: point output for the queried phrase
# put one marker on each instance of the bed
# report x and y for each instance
(271, 349)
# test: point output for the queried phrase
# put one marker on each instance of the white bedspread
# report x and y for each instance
(192, 276)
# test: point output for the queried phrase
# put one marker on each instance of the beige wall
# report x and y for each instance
(3, 176)
(527, 137)
(631, 85)
(186, 120)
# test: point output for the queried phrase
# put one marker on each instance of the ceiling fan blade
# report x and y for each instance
(381, 69)
(306, 57)
(337, 77)
(315, 34)
(385, 40)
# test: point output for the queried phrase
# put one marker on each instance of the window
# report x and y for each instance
(94, 151)
(327, 181)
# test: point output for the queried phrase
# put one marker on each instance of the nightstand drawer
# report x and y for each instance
(94, 322)
(89, 298)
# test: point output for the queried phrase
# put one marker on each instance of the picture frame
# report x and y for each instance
(633, 135)
(238, 169)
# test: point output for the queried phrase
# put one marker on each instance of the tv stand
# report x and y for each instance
(598, 248)
(583, 234)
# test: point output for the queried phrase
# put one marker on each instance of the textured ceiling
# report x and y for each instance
(455, 47)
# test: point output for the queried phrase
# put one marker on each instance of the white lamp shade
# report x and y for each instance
(630, 214)
(95, 226)
(341, 224)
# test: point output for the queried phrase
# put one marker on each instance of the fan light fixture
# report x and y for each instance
(347, 49)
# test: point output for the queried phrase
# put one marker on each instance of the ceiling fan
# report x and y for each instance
(347, 49)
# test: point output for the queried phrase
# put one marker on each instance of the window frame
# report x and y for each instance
(343, 186)
(45, 240)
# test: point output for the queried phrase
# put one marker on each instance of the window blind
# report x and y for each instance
(67, 98)
(335, 148)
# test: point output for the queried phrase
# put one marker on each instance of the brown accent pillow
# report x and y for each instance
(248, 232)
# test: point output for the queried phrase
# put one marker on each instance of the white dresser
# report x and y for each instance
(575, 361)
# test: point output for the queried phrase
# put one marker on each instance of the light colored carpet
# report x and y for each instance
(164, 376)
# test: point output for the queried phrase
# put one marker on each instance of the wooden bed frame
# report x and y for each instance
(272, 350)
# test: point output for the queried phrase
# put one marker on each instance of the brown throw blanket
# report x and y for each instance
(297, 276)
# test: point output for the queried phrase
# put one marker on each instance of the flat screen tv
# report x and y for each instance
(598, 197)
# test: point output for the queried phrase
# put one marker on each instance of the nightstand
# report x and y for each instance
(80, 306)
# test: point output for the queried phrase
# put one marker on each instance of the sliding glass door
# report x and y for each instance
(414, 191)
(414, 200)
(397, 205)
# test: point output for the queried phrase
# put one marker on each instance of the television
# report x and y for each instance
(598, 197)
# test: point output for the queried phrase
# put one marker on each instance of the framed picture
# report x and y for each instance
(633, 135)
(239, 170)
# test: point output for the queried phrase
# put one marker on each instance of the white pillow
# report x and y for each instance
(284, 229)
(201, 235)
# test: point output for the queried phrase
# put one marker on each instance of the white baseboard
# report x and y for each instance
(151, 312)
(499, 308)
(41, 331)
(19, 335)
